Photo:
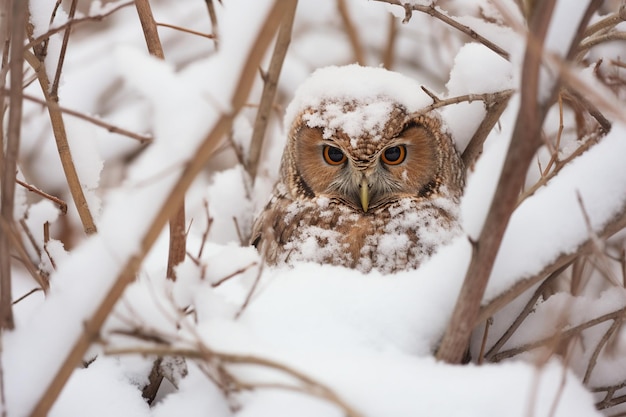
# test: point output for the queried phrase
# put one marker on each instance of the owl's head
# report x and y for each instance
(365, 147)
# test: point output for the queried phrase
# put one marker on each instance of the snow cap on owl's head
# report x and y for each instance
(355, 99)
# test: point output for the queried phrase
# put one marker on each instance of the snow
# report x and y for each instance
(551, 222)
(368, 338)
(375, 89)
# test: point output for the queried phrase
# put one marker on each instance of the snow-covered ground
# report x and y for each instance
(311, 339)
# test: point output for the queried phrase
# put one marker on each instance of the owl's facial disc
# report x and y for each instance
(400, 167)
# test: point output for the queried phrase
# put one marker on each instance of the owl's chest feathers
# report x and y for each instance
(392, 238)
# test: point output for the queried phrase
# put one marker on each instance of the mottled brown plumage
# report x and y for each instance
(382, 193)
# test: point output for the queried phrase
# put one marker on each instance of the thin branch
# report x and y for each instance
(95, 18)
(311, 386)
(617, 323)
(62, 204)
(16, 242)
(488, 98)
(607, 22)
(558, 166)
(96, 121)
(528, 308)
(433, 11)
(269, 89)
(613, 226)
(597, 40)
(213, 17)
(19, 12)
(170, 205)
(257, 279)
(563, 336)
(186, 30)
(54, 89)
(28, 294)
(494, 105)
(232, 275)
(524, 144)
(63, 147)
(177, 238)
(351, 32)
(392, 36)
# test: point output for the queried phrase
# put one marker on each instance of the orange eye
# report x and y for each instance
(334, 156)
(394, 155)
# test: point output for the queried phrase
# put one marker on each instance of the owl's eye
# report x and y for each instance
(334, 156)
(394, 155)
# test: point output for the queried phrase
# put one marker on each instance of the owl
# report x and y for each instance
(366, 181)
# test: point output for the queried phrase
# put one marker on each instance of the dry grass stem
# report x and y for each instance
(172, 203)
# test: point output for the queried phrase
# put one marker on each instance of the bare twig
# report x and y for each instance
(488, 98)
(169, 207)
(563, 336)
(96, 121)
(95, 18)
(54, 89)
(494, 106)
(205, 234)
(613, 226)
(523, 314)
(558, 166)
(607, 22)
(351, 32)
(433, 11)
(269, 89)
(178, 238)
(232, 275)
(524, 143)
(617, 323)
(597, 40)
(389, 53)
(62, 204)
(213, 16)
(483, 343)
(257, 279)
(60, 136)
(186, 30)
(19, 12)
(28, 294)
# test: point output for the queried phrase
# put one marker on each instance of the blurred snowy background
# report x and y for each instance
(231, 338)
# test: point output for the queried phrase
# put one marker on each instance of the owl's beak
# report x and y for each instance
(365, 194)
